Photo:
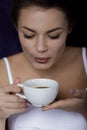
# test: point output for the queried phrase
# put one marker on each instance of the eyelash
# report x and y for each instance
(28, 37)
(54, 37)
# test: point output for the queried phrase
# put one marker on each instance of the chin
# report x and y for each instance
(42, 67)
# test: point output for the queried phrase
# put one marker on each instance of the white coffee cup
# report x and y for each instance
(40, 91)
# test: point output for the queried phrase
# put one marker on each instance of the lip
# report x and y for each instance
(42, 60)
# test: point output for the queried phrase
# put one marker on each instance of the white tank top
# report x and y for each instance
(35, 119)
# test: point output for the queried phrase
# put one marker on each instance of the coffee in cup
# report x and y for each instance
(40, 91)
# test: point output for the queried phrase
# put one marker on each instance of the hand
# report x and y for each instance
(80, 94)
(10, 103)
(76, 104)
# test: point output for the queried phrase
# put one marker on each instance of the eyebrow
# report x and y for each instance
(49, 31)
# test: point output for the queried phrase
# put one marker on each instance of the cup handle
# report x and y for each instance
(20, 95)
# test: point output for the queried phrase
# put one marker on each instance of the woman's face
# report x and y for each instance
(42, 34)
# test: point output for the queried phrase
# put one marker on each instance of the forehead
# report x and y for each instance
(36, 16)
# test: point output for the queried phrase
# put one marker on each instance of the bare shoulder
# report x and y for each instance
(75, 56)
(86, 52)
(72, 55)
(3, 71)
(71, 72)
(20, 67)
(74, 50)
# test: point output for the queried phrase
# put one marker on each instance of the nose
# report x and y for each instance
(41, 45)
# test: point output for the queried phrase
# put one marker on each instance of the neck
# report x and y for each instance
(48, 73)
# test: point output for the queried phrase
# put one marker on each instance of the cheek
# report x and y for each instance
(58, 48)
(22, 40)
(24, 43)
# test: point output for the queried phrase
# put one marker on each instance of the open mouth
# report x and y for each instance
(42, 60)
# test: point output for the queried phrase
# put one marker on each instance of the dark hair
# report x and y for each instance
(67, 6)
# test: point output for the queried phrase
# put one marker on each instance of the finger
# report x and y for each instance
(15, 105)
(56, 105)
(66, 104)
(7, 97)
(11, 88)
(17, 80)
(79, 93)
(9, 112)
(49, 107)
(13, 98)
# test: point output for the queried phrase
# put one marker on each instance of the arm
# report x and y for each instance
(2, 122)
(82, 95)
(76, 104)
(10, 103)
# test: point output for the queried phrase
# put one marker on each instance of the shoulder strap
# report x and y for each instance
(8, 70)
(84, 58)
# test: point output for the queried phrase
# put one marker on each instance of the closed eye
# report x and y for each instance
(54, 37)
(28, 36)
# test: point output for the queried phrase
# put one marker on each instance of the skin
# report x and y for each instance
(40, 45)
(43, 38)
(41, 50)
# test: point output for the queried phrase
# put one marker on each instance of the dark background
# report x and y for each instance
(9, 43)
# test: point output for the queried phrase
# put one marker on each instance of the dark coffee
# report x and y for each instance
(41, 87)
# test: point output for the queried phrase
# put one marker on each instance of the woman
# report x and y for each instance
(43, 27)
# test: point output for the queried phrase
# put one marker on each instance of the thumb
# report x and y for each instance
(17, 80)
